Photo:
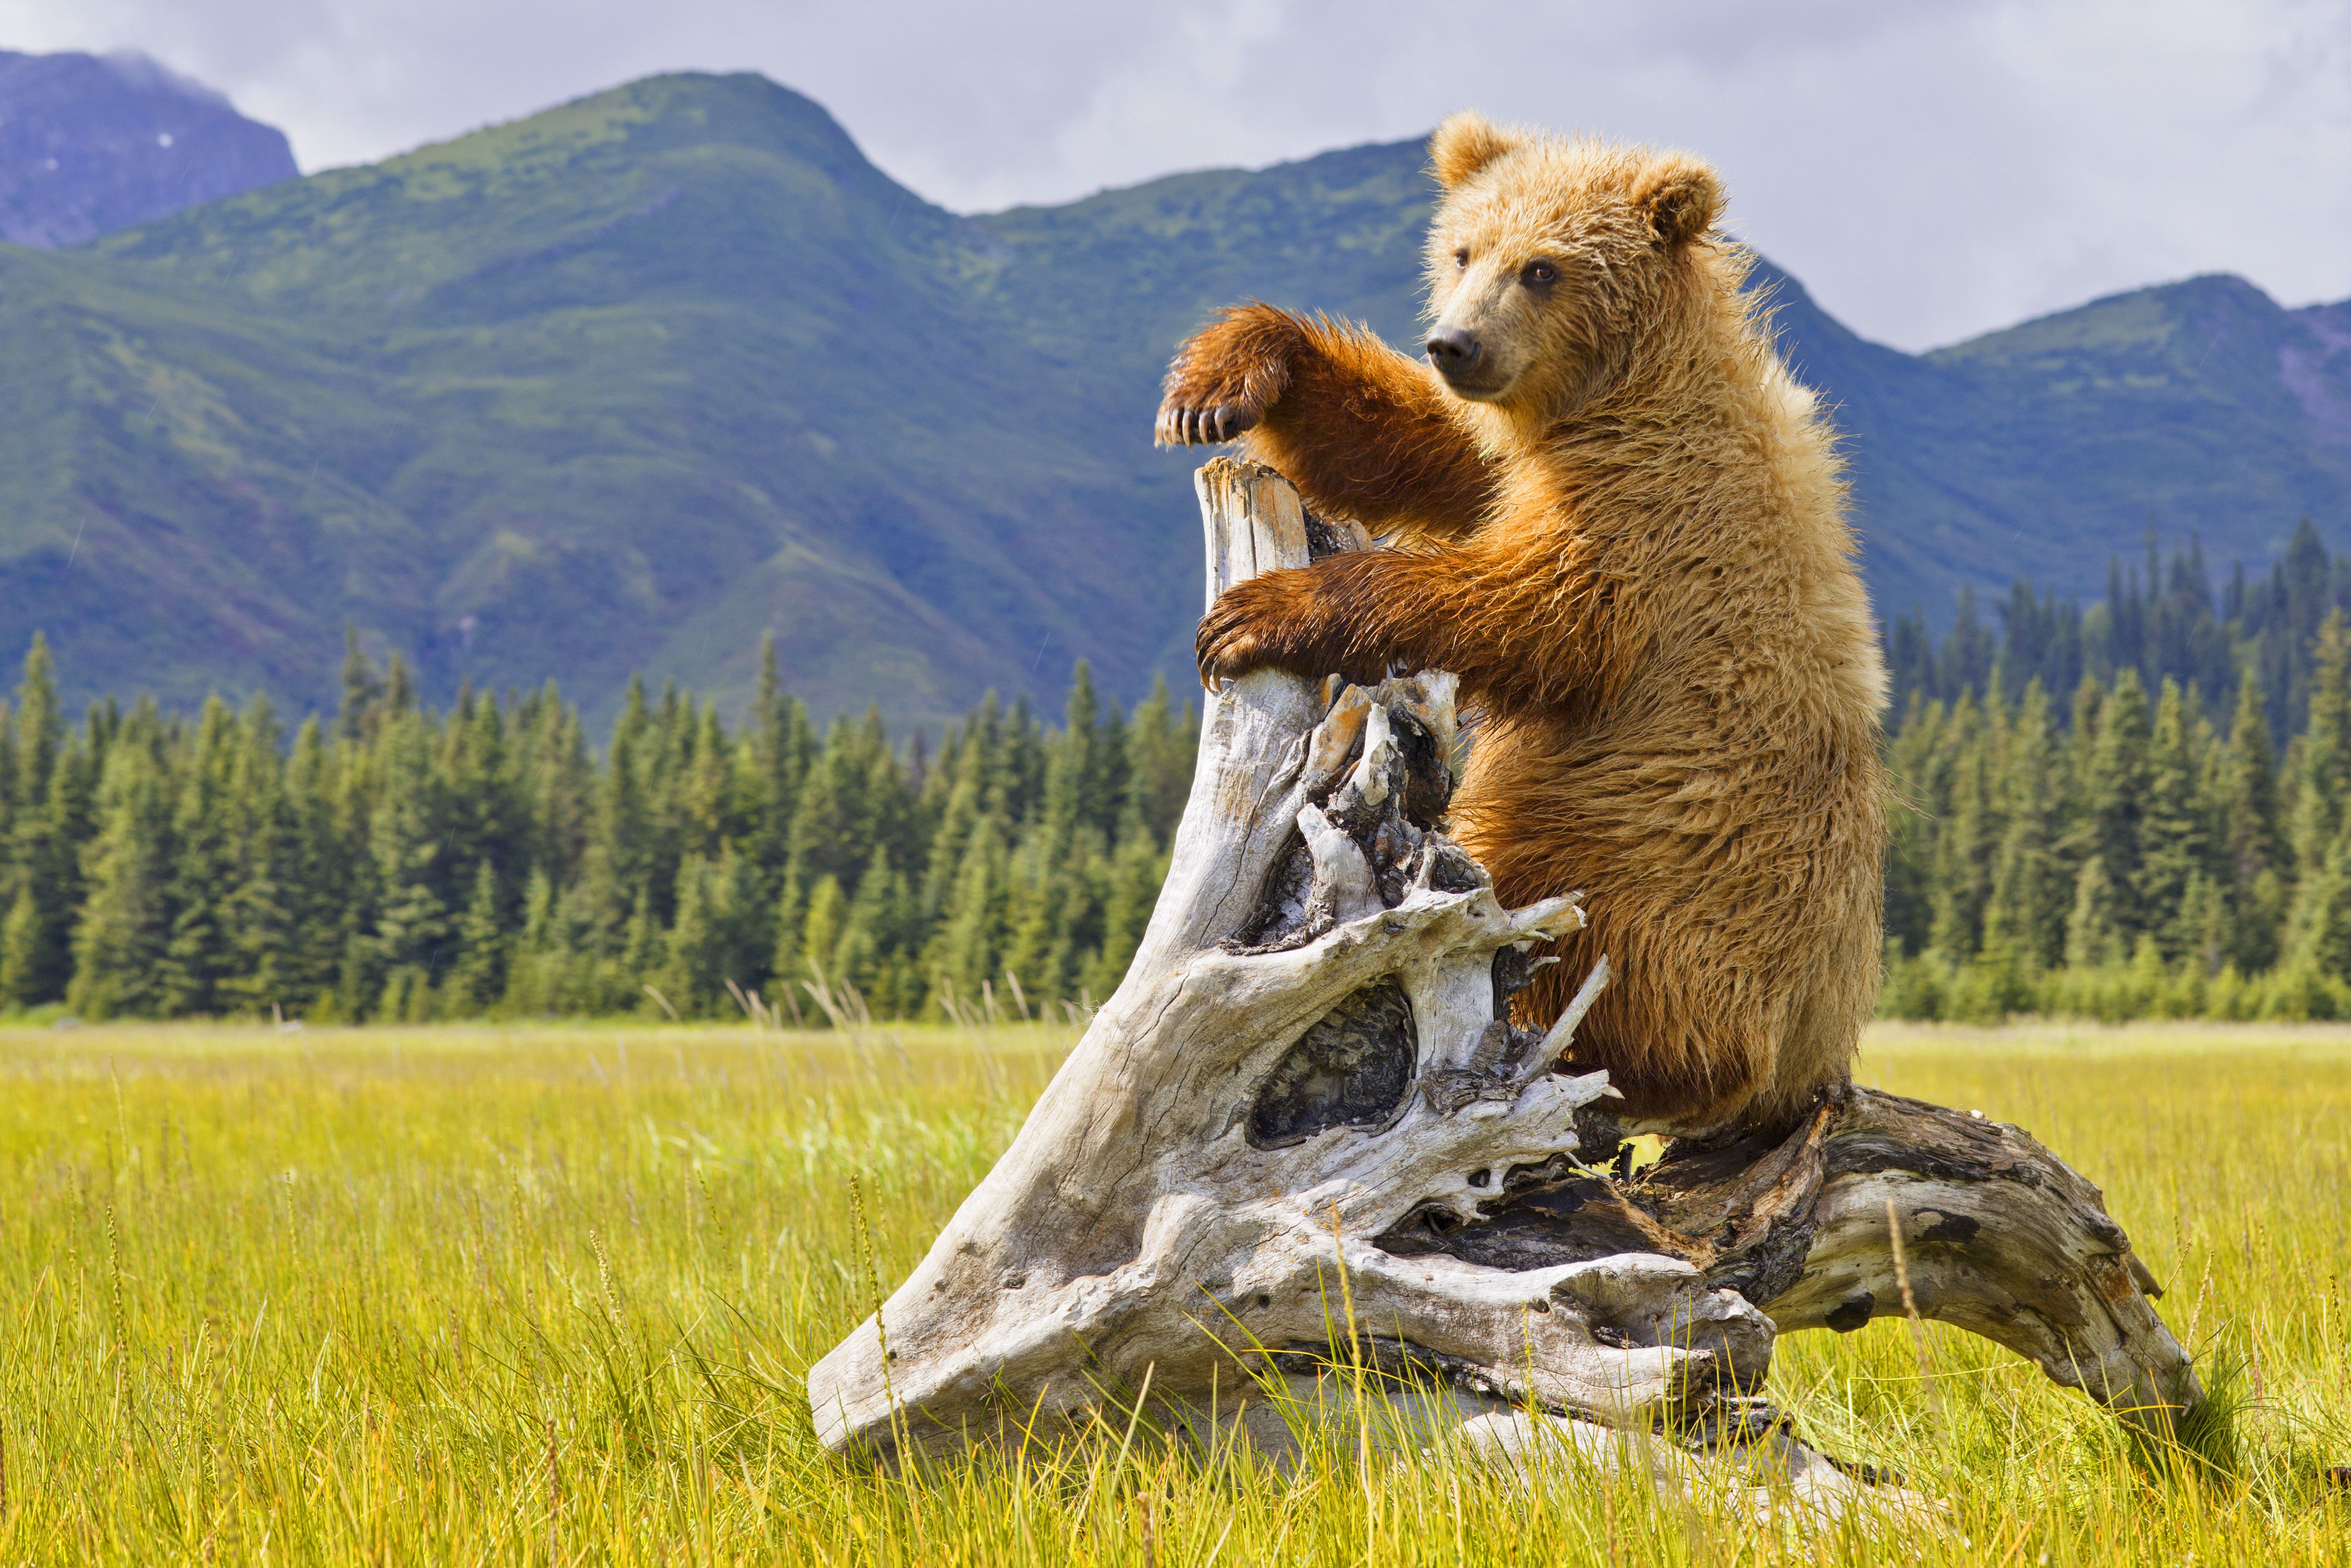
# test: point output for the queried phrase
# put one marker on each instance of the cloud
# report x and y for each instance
(1931, 170)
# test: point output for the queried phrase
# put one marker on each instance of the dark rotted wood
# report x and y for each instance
(1737, 1204)
(2002, 1237)
(1572, 1219)
(1398, 829)
(1325, 539)
(1351, 1069)
(1285, 915)
(1427, 783)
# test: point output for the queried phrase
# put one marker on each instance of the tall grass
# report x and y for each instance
(545, 1295)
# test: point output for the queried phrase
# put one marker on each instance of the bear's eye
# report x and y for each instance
(1540, 275)
(1461, 258)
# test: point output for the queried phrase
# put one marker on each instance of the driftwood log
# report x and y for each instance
(1303, 1134)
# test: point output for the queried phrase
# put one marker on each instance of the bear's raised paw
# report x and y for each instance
(1227, 375)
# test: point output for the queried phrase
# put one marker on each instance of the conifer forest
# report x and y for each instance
(2132, 808)
(391, 862)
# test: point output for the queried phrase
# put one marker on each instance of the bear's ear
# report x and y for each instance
(1682, 199)
(1466, 143)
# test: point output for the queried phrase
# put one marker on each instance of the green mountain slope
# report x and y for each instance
(2198, 409)
(615, 388)
(626, 384)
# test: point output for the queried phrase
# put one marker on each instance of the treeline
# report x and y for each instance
(2095, 814)
(399, 863)
(2131, 846)
(2166, 623)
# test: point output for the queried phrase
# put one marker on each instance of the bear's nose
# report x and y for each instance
(1452, 350)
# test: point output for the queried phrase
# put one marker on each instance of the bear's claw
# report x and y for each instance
(1229, 643)
(1203, 427)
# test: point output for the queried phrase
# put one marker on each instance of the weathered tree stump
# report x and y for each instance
(1303, 1132)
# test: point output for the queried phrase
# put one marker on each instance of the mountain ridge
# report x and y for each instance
(629, 383)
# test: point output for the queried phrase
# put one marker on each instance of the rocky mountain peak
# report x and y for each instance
(93, 143)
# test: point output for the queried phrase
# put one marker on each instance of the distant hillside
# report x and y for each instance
(2200, 409)
(90, 143)
(626, 384)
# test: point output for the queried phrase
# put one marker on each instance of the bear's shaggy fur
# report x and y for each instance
(1622, 524)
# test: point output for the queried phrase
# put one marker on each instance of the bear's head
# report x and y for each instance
(1554, 263)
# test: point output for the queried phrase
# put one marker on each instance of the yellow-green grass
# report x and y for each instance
(536, 1295)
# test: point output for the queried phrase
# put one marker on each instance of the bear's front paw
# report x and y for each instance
(1242, 632)
(1226, 376)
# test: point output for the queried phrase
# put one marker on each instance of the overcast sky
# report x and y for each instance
(1931, 169)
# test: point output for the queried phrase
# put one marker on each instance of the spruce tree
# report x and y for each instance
(324, 903)
(2203, 925)
(721, 933)
(263, 965)
(199, 959)
(708, 808)
(781, 748)
(1130, 889)
(542, 962)
(2024, 916)
(2256, 860)
(556, 787)
(967, 950)
(38, 887)
(789, 926)
(407, 831)
(871, 952)
(820, 932)
(693, 975)
(399, 687)
(477, 978)
(475, 767)
(2315, 944)
(125, 923)
(833, 826)
(1051, 906)
(1970, 831)
(2093, 931)
(22, 950)
(1159, 764)
(2174, 846)
(1078, 766)
(1968, 653)
(2318, 938)
(2325, 772)
(641, 951)
(40, 728)
(747, 918)
(1919, 774)
(958, 796)
(2114, 798)
(362, 691)
(618, 858)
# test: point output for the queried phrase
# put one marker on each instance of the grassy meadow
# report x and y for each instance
(545, 1294)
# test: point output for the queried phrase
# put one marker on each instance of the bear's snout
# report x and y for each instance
(1453, 351)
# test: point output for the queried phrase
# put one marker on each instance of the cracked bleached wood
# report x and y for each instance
(1303, 1131)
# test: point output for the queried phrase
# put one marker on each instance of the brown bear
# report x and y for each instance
(1617, 518)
